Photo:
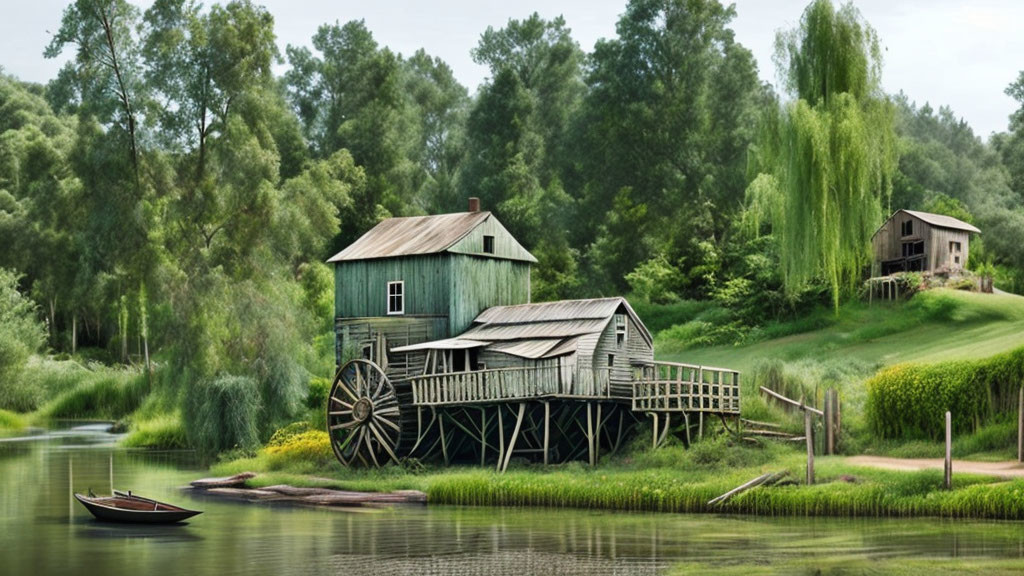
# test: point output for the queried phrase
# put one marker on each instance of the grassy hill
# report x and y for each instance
(854, 344)
(933, 326)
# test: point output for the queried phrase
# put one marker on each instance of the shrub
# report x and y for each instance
(311, 447)
(909, 400)
(223, 413)
(164, 431)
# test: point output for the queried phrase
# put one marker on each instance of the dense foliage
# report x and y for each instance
(909, 401)
(169, 200)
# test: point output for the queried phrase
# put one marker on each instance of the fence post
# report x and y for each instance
(949, 451)
(808, 430)
(1020, 425)
(829, 430)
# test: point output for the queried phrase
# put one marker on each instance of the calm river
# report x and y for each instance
(43, 531)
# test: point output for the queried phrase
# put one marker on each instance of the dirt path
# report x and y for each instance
(1008, 469)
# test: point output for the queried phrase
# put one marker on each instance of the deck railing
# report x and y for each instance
(502, 384)
(674, 387)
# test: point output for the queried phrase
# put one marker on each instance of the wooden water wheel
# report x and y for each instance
(364, 417)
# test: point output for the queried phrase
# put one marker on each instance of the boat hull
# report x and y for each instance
(108, 510)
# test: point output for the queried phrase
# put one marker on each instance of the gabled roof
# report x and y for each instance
(417, 235)
(937, 220)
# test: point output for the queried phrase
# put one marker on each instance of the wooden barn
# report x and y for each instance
(442, 354)
(912, 241)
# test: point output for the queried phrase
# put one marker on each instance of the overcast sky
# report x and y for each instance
(957, 53)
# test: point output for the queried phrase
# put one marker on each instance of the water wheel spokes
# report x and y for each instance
(363, 416)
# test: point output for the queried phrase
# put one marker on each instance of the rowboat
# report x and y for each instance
(127, 507)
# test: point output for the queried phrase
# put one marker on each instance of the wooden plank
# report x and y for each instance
(762, 479)
(791, 402)
(515, 434)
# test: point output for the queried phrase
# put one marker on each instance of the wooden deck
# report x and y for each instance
(674, 387)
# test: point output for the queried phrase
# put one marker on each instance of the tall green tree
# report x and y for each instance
(665, 128)
(830, 152)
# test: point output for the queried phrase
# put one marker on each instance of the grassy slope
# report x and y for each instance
(980, 326)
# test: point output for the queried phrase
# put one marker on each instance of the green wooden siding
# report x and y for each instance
(479, 283)
(360, 286)
(505, 245)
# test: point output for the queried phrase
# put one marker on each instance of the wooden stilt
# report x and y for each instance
(597, 436)
(547, 429)
(444, 439)
(700, 425)
(501, 438)
(654, 431)
(515, 434)
(590, 434)
(828, 421)
(483, 437)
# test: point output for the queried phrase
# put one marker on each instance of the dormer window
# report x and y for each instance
(396, 298)
(907, 228)
(488, 244)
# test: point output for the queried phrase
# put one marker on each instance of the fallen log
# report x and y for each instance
(225, 482)
(308, 496)
(769, 477)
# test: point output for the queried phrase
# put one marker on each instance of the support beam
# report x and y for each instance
(597, 436)
(501, 438)
(515, 434)
(547, 429)
(444, 439)
(590, 433)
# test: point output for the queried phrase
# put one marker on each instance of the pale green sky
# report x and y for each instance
(958, 53)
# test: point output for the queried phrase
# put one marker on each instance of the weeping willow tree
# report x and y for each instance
(826, 158)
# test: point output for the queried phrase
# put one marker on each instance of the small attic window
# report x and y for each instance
(907, 228)
(611, 360)
(620, 330)
(488, 244)
(396, 298)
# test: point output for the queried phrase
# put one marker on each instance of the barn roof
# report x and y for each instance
(937, 220)
(541, 330)
(418, 235)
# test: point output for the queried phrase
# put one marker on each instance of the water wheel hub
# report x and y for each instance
(362, 409)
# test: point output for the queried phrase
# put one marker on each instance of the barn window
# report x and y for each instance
(488, 244)
(611, 360)
(396, 297)
(907, 228)
(912, 249)
(954, 246)
(620, 330)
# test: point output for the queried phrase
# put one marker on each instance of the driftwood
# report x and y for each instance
(231, 488)
(768, 478)
(760, 424)
(235, 481)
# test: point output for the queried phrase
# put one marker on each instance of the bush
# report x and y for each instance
(223, 414)
(909, 400)
(311, 447)
(165, 431)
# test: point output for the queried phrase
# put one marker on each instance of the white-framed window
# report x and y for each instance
(396, 297)
(620, 330)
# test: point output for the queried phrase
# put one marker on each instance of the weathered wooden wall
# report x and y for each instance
(505, 245)
(636, 349)
(478, 283)
(360, 286)
(939, 247)
(887, 244)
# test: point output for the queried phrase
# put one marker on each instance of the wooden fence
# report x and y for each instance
(674, 387)
(504, 384)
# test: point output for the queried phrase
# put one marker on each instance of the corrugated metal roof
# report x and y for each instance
(414, 235)
(535, 330)
(526, 348)
(446, 344)
(567, 346)
(551, 319)
(942, 221)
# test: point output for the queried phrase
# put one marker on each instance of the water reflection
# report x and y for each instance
(43, 532)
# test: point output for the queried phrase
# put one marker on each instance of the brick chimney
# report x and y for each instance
(474, 204)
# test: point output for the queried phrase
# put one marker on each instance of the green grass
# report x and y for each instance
(670, 479)
(101, 393)
(165, 431)
(11, 421)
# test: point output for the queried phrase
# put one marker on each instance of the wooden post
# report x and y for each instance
(1020, 425)
(547, 429)
(828, 421)
(949, 451)
(501, 438)
(654, 432)
(515, 434)
(590, 433)
(808, 431)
